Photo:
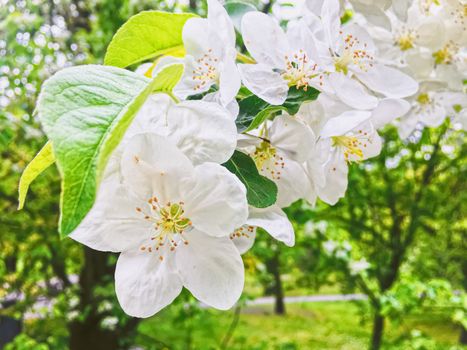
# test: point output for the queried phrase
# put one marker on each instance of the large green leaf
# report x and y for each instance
(261, 192)
(40, 162)
(85, 111)
(254, 111)
(147, 35)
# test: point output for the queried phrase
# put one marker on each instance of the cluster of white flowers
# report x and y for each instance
(427, 40)
(181, 219)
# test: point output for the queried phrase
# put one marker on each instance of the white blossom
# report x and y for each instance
(171, 222)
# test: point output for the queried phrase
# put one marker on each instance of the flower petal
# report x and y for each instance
(113, 224)
(203, 131)
(232, 107)
(374, 14)
(144, 284)
(215, 200)
(153, 165)
(229, 79)
(275, 222)
(301, 38)
(211, 269)
(316, 170)
(331, 21)
(388, 110)
(351, 92)
(388, 81)
(291, 184)
(364, 42)
(407, 125)
(189, 84)
(371, 143)
(425, 32)
(314, 6)
(343, 123)
(336, 180)
(264, 83)
(433, 117)
(220, 22)
(264, 39)
(245, 239)
(293, 137)
(198, 39)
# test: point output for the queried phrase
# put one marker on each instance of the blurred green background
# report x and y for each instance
(396, 243)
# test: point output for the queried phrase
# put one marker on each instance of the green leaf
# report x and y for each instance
(168, 78)
(236, 10)
(40, 162)
(85, 112)
(254, 111)
(261, 192)
(147, 35)
(296, 97)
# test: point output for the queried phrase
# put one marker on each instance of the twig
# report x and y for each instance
(231, 330)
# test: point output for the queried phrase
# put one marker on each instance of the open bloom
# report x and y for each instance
(349, 137)
(210, 56)
(415, 31)
(430, 108)
(283, 60)
(272, 219)
(203, 131)
(279, 150)
(348, 55)
(344, 135)
(171, 222)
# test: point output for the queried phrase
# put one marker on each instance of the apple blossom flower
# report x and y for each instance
(344, 136)
(171, 223)
(210, 56)
(349, 137)
(430, 108)
(204, 131)
(279, 149)
(283, 59)
(454, 16)
(349, 57)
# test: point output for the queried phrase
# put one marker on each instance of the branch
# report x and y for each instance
(426, 179)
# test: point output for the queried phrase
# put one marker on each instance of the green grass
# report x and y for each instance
(320, 326)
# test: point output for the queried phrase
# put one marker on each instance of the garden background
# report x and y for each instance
(395, 245)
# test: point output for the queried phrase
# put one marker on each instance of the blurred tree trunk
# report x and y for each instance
(463, 333)
(88, 334)
(377, 334)
(463, 336)
(273, 266)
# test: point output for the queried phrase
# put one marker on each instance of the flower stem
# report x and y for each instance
(175, 98)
